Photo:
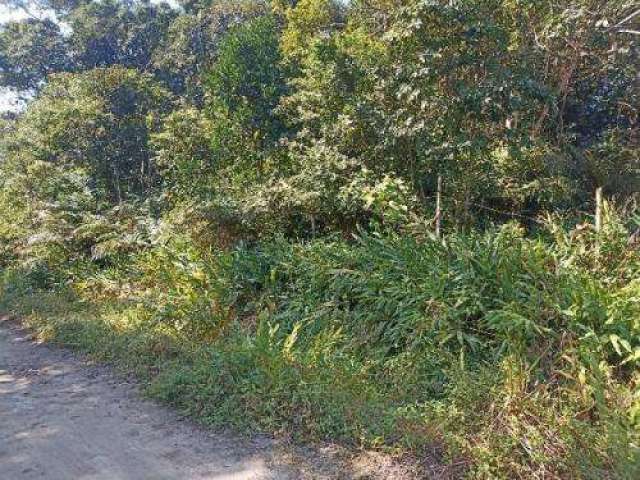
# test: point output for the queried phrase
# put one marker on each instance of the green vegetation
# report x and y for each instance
(236, 201)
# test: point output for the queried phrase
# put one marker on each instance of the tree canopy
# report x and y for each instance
(522, 108)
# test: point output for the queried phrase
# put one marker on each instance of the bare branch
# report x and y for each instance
(626, 30)
(625, 20)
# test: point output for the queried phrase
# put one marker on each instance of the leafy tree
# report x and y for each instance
(305, 21)
(59, 7)
(451, 94)
(189, 49)
(183, 155)
(480, 92)
(333, 96)
(99, 121)
(29, 51)
(596, 117)
(213, 162)
(110, 32)
(96, 34)
(245, 87)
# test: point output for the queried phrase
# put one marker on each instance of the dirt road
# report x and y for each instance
(62, 419)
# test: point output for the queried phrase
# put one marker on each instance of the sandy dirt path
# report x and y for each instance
(64, 419)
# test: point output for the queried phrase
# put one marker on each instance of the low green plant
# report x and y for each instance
(512, 356)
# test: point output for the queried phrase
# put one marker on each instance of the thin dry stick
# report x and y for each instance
(598, 209)
(439, 208)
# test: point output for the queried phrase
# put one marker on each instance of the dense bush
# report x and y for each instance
(517, 356)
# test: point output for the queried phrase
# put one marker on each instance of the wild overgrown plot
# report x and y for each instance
(367, 222)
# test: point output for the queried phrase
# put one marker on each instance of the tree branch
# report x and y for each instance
(626, 19)
(627, 30)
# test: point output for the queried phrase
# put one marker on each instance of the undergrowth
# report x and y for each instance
(512, 356)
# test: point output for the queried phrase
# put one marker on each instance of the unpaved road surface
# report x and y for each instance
(64, 419)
